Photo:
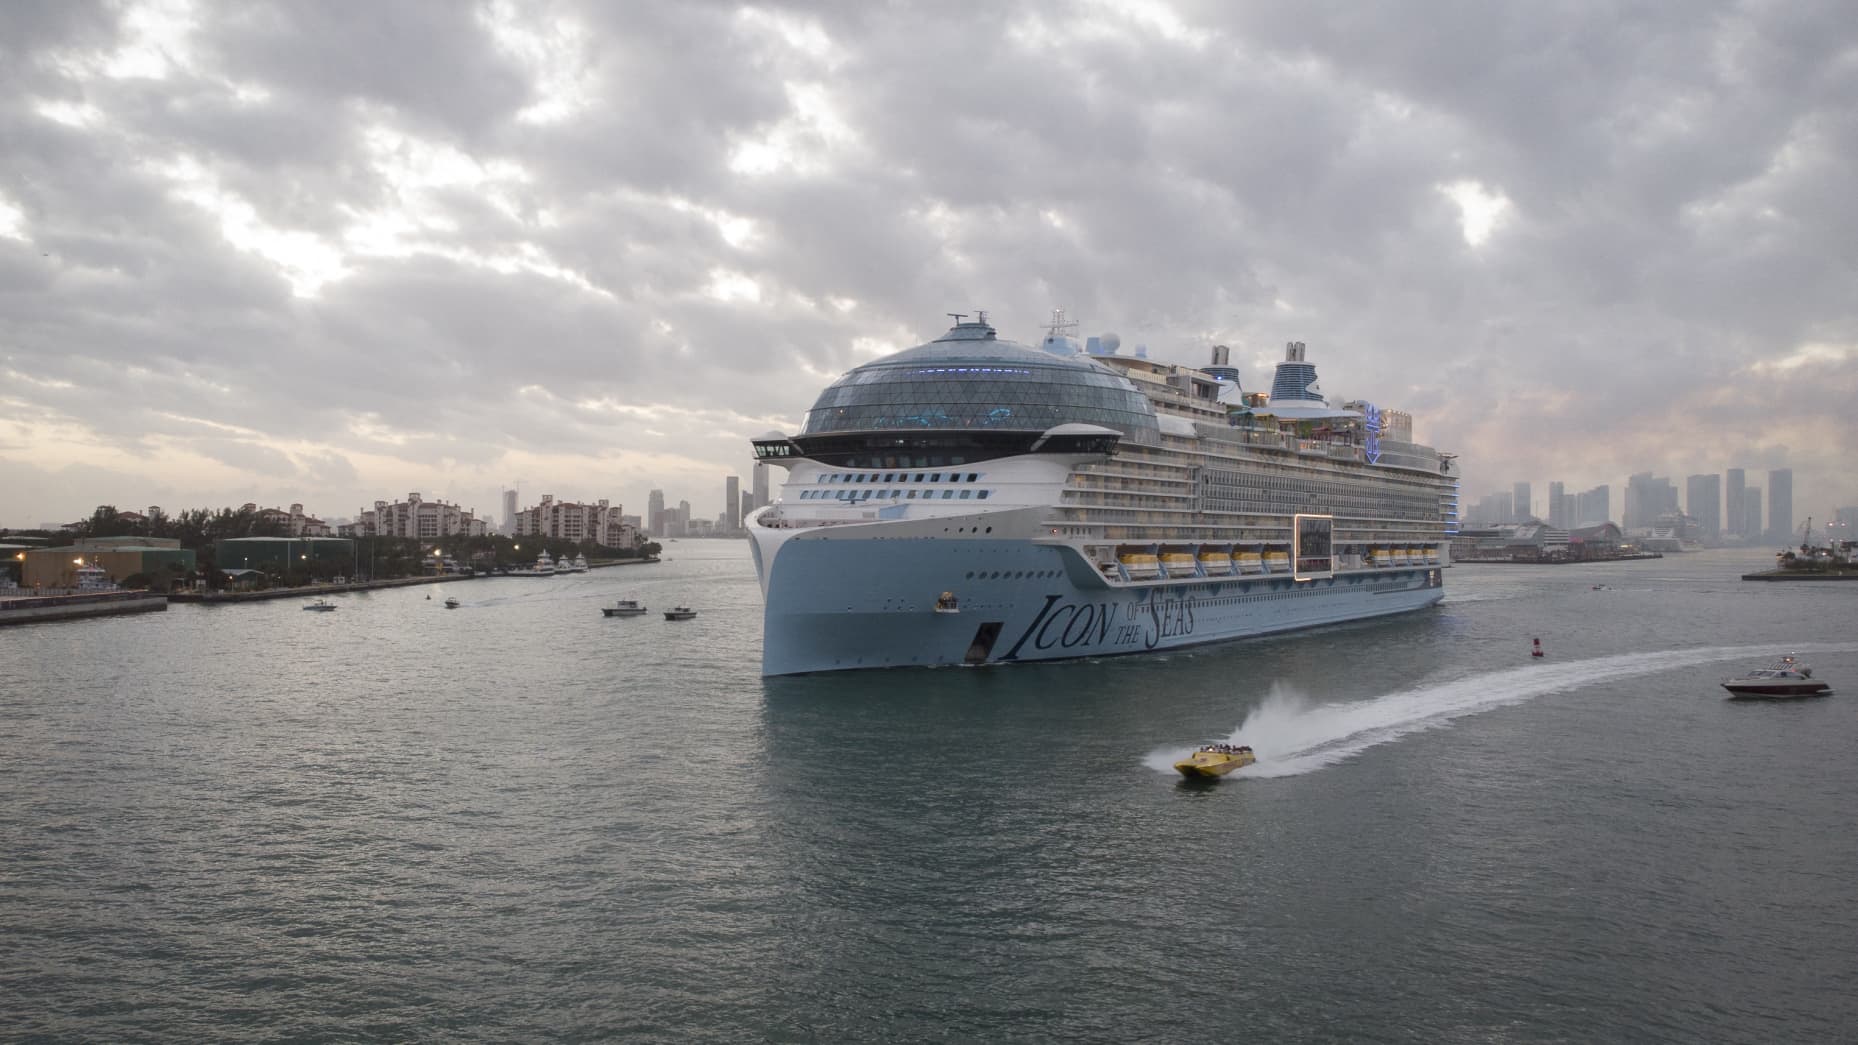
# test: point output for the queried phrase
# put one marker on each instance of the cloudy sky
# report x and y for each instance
(331, 252)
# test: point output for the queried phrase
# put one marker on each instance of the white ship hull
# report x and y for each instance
(863, 596)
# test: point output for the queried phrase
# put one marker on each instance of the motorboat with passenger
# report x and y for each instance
(319, 605)
(624, 608)
(679, 613)
(1215, 760)
(1786, 680)
(452, 603)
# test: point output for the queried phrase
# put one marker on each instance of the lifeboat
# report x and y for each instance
(1432, 555)
(1215, 563)
(1141, 566)
(1248, 562)
(1383, 557)
(1178, 564)
(1215, 760)
(1277, 560)
(1401, 557)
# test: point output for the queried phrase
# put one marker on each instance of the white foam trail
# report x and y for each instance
(1292, 734)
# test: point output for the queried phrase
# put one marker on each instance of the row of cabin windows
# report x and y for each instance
(892, 495)
(896, 477)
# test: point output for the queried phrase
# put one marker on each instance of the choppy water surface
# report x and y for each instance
(520, 820)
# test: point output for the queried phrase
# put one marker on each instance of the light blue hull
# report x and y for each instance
(835, 605)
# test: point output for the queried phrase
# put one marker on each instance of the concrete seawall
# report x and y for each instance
(34, 609)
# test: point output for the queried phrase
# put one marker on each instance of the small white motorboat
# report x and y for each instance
(624, 608)
(679, 613)
(319, 605)
(1786, 680)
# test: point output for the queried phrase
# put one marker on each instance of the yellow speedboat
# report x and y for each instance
(1216, 760)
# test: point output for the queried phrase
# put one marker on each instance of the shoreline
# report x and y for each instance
(1641, 557)
(33, 609)
(216, 598)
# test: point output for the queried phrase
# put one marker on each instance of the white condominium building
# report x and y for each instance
(602, 523)
(415, 517)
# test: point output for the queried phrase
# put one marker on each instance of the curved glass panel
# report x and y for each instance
(979, 383)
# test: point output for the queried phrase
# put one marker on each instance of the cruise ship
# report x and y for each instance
(976, 501)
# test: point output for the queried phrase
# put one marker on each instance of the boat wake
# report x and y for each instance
(1293, 734)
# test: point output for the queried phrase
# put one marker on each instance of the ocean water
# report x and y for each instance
(520, 820)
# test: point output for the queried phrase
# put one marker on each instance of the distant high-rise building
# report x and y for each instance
(732, 502)
(509, 511)
(1751, 512)
(761, 484)
(654, 513)
(683, 519)
(1647, 497)
(1593, 507)
(1557, 513)
(1780, 505)
(1703, 502)
(1492, 510)
(1736, 483)
(1520, 502)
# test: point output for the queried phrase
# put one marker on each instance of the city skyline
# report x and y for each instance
(272, 253)
(1709, 498)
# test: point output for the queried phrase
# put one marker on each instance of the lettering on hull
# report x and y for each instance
(1103, 626)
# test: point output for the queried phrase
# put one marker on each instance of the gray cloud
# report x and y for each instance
(335, 251)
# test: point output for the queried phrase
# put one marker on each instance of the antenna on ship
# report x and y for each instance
(956, 316)
(1060, 325)
(981, 317)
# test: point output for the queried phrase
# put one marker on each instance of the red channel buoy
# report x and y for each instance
(1535, 650)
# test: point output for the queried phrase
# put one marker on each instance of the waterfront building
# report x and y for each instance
(161, 561)
(1735, 487)
(509, 512)
(602, 523)
(1590, 543)
(415, 517)
(1511, 542)
(1558, 508)
(1523, 504)
(281, 554)
(1751, 513)
(654, 513)
(1780, 506)
(732, 503)
(1703, 502)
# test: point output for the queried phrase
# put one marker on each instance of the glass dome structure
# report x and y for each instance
(969, 380)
